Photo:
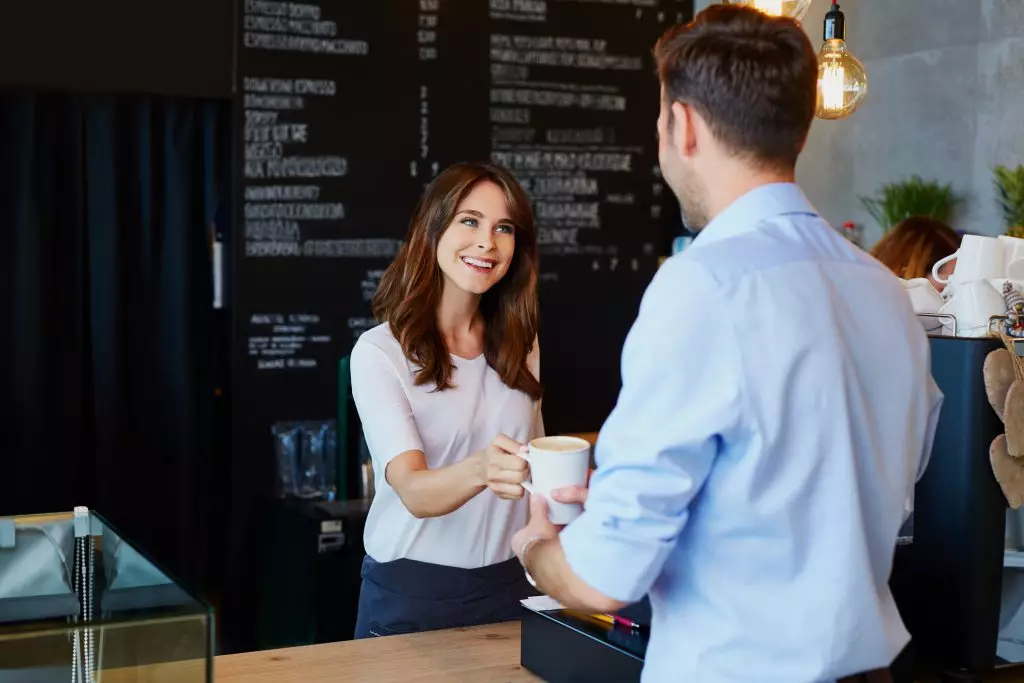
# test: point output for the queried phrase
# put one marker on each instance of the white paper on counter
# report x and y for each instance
(541, 603)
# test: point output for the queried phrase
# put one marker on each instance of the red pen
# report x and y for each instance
(626, 622)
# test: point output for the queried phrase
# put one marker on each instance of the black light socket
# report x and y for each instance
(835, 23)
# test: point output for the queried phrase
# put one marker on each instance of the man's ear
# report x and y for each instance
(684, 129)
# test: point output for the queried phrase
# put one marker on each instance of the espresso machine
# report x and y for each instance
(948, 580)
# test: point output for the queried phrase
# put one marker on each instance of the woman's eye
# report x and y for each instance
(505, 228)
(471, 222)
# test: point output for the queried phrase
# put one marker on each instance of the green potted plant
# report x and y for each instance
(1010, 195)
(911, 197)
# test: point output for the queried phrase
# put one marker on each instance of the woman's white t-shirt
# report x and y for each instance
(447, 426)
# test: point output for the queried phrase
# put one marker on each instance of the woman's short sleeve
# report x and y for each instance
(384, 410)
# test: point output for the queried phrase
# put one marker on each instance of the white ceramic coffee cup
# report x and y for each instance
(973, 305)
(557, 461)
(978, 258)
(923, 295)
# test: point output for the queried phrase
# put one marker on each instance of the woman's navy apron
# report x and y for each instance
(406, 596)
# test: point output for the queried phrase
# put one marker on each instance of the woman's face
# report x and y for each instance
(945, 272)
(476, 248)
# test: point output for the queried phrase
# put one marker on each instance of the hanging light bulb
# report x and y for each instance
(795, 9)
(842, 81)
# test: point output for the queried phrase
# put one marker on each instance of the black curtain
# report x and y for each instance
(113, 347)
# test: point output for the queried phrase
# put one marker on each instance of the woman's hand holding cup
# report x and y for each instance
(504, 471)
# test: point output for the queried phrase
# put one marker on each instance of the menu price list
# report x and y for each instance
(302, 66)
(340, 103)
(296, 341)
(554, 65)
(279, 341)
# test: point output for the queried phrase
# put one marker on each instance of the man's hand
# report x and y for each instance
(539, 526)
(573, 494)
(548, 565)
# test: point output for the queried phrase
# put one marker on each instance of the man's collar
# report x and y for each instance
(756, 206)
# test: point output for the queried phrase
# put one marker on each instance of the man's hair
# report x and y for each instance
(750, 76)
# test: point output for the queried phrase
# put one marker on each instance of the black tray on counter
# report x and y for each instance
(561, 647)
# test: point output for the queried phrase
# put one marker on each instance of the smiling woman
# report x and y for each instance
(448, 391)
(482, 212)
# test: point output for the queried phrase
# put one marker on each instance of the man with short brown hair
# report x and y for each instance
(749, 80)
(777, 404)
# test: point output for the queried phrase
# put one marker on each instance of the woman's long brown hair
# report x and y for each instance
(913, 246)
(410, 289)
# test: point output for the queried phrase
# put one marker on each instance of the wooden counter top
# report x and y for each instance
(488, 654)
(482, 654)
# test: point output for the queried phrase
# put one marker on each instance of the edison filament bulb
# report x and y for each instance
(842, 80)
(795, 9)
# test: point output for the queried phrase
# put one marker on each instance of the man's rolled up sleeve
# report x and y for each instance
(680, 393)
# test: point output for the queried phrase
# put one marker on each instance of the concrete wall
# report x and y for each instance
(945, 101)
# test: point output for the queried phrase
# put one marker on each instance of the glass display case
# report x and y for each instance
(80, 603)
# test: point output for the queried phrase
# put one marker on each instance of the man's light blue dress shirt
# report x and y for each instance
(777, 408)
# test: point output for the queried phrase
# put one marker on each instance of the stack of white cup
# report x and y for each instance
(974, 292)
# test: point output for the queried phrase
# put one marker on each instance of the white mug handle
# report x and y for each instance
(938, 265)
(528, 485)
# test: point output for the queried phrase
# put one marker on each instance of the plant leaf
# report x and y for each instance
(1009, 183)
(914, 196)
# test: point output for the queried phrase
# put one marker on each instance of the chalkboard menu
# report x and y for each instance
(347, 109)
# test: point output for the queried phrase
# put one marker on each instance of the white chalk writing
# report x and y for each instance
(257, 193)
(295, 211)
(297, 167)
(273, 41)
(553, 98)
(563, 161)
